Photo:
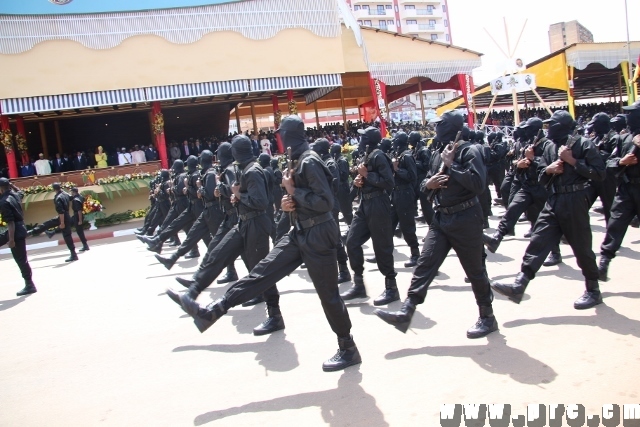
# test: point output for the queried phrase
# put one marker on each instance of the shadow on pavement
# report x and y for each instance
(348, 404)
(495, 357)
(10, 303)
(605, 318)
(275, 353)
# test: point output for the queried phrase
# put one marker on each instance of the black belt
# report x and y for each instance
(230, 211)
(459, 207)
(316, 220)
(403, 187)
(569, 188)
(372, 195)
(248, 216)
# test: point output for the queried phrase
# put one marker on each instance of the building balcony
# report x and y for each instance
(380, 12)
(421, 13)
(424, 28)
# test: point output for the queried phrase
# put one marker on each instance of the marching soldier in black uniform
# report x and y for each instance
(249, 238)
(485, 197)
(187, 218)
(455, 181)
(162, 203)
(321, 147)
(153, 209)
(77, 205)
(179, 201)
(312, 240)
(346, 207)
(372, 220)
(565, 168)
(423, 160)
(511, 158)
(264, 160)
(403, 197)
(62, 203)
(14, 237)
(276, 189)
(497, 160)
(623, 163)
(605, 140)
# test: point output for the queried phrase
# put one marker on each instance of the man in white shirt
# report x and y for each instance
(265, 145)
(124, 158)
(138, 156)
(43, 167)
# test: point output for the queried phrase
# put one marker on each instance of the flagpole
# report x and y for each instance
(630, 64)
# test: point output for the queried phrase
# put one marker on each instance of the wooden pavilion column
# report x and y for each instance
(315, 108)
(56, 124)
(157, 125)
(254, 118)
(43, 140)
(421, 103)
(23, 133)
(238, 120)
(344, 111)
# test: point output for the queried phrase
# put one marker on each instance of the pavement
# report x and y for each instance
(101, 344)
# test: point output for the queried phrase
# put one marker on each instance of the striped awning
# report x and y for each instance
(71, 101)
(161, 93)
(398, 73)
(319, 93)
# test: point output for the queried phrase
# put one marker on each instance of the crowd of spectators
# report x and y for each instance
(584, 113)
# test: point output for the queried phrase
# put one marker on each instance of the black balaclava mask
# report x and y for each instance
(532, 127)
(480, 137)
(178, 167)
(561, 124)
(321, 146)
(206, 160)
(371, 137)
(499, 136)
(469, 136)
(224, 155)
(601, 123)
(491, 137)
(264, 159)
(415, 140)
(619, 122)
(335, 151)
(400, 142)
(192, 163)
(385, 145)
(293, 136)
(633, 116)
(274, 164)
(242, 150)
(165, 175)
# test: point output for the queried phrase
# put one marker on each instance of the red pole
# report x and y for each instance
(22, 132)
(161, 144)
(276, 123)
(10, 152)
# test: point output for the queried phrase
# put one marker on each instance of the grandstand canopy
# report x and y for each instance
(597, 73)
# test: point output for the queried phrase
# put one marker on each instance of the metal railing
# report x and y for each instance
(377, 11)
(426, 27)
(424, 11)
(506, 130)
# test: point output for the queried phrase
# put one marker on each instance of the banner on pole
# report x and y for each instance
(520, 82)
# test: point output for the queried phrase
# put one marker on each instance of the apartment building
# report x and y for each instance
(565, 34)
(427, 19)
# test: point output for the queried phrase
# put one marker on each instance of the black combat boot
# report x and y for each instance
(552, 259)
(398, 233)
(230, 276)
(492, 243)
(413, 261)
(29, 288)
(254, 301)
(205, 317)
(486, 324)
(193, 253)
(168, 262)
(591, 296)
(175, 242)
(154, 245)
(84, 249)
(603, 269)
(635, 222)
(274, 322)
(347, 355)
(357, 290)
(372, 260)
(187, 283)
(514, 292)
(140, 231)
(400, 319)
(73, 257)
(344, 275)
(528, 233)
(175, 296)
(485, 223)
(390, 293)
(50, 233)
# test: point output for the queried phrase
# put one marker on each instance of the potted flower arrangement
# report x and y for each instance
(3, 225)
(92, 210)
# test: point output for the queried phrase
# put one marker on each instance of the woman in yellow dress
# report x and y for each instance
(101, 159)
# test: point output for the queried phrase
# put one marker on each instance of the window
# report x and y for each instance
(359, 22)
(381, 7)
(365, 7)
(388, 6)
(447, 37)
(432, 22)
(382, 25)
(430, 8)
(444, 8)
(390, 22)
(440, 96)
(434, 37)
(367, 23)
(356, 7)
(409, 7)
(446, 23)
(412, 22)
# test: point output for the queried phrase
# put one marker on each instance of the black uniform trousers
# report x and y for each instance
(505, 188)
(567, 214)
(485, 201)
(426, 206)
(249, 240)
(162, 210)
(230, 220)
(341, 251)
(149, 216)
(626, 205)
(79, 229)
(203, 229)
(316, 247)
(372, 221)
(403, 213)
(184, 220)
(496, 173)
(462, 232)
(606, 190)
(272, 217)
(66, 231)
(177, 207)
(19, 253)
(527, 198)
(346, 202)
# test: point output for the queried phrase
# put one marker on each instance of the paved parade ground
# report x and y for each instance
(101, 344)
